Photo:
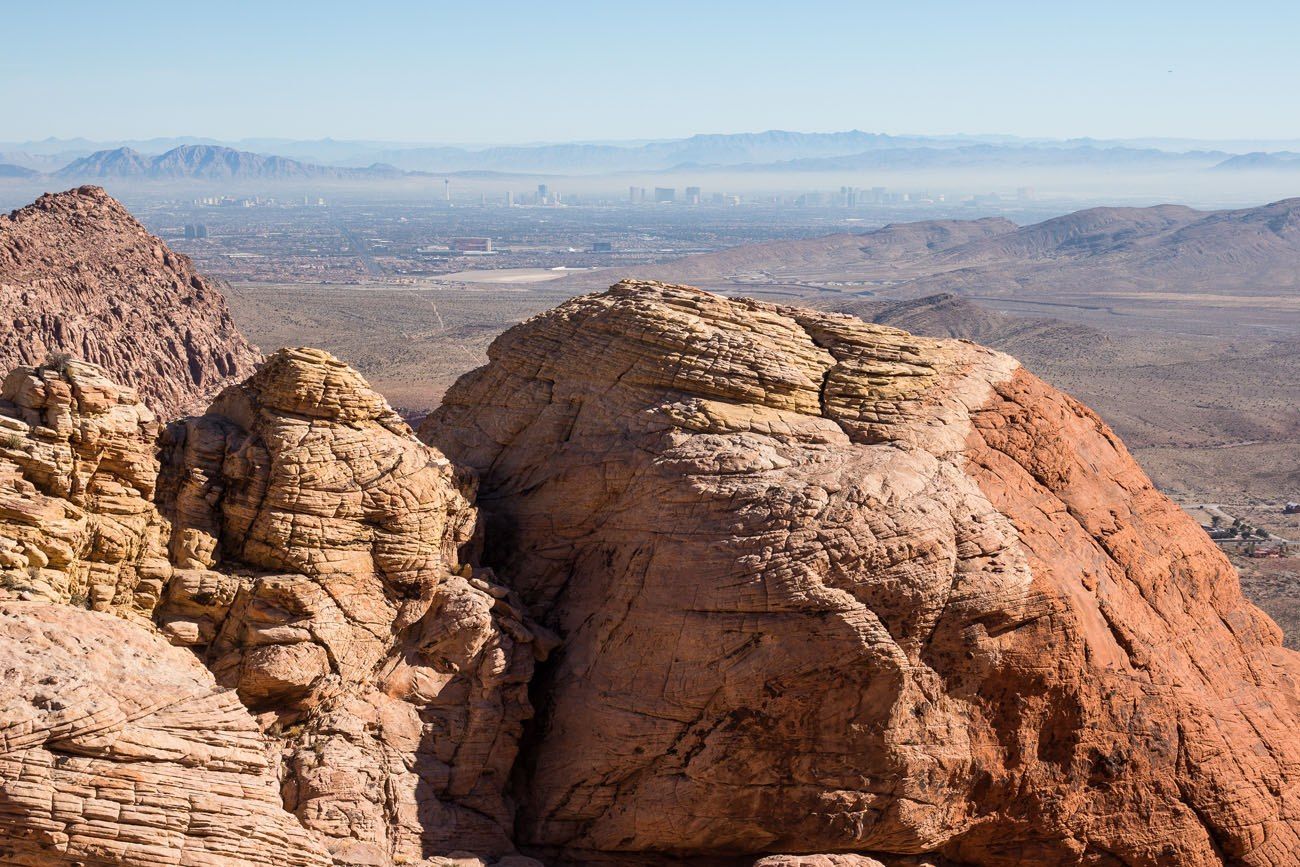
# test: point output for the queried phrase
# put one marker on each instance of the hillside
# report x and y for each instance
(79, 277)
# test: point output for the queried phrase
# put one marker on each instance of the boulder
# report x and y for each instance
(322, 573)
(824, 586)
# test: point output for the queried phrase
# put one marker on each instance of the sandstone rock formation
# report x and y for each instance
(77, 479)
(78, 275)
(829, 595)
(823, 586)
(319, 544)
(309, 550)
(116, 748)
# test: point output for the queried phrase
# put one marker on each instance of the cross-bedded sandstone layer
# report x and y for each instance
(824, 586)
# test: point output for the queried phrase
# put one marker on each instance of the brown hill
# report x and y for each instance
(949, 315)
(79, 276)
(1098, 252)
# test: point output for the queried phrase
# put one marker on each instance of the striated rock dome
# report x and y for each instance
(824, 586)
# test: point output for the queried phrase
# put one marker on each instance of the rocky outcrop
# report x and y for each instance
(77, 479)
(319, 544)
(823, 586)
(312, 552)
(80, 277)
(116, 748)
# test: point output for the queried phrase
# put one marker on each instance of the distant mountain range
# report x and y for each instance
(207, 162)
(1093, 253)
(1285, 161)
(771, 151)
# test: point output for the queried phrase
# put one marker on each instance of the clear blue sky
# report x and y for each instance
(510, 71)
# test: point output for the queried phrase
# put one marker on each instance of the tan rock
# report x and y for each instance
(79, 275)
(824, 586)
(322, 577)
(77, 479)
(116, 748)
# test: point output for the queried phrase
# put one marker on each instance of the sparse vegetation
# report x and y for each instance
(57, 362)
(11, 440)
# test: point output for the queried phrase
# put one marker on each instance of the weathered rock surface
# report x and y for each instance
(116, 748)
(77, 479)
(319, 544)
(79, 275)
(827, 587)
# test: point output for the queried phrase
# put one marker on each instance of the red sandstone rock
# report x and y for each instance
(79, 275)
(824, 586)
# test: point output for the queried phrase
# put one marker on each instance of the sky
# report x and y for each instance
(514, 72)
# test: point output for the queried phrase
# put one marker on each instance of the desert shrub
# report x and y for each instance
(57, 362)
(11, 440)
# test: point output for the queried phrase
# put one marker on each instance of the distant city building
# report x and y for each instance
(1025, 194)
(602, 247)
(195, 230)
(510, 200)
(631, 194)
(446, 189)
(472, 245)
(692, 195)
(665, 194)
(717, 199)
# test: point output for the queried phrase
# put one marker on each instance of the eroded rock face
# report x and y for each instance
(77, 479)
(318, 546)
(116, 748)
(827, 587)
(79, 275)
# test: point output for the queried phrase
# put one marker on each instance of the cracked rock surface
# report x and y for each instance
(117, 748)
(318, 545)
(300, 541)
(824, 586)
